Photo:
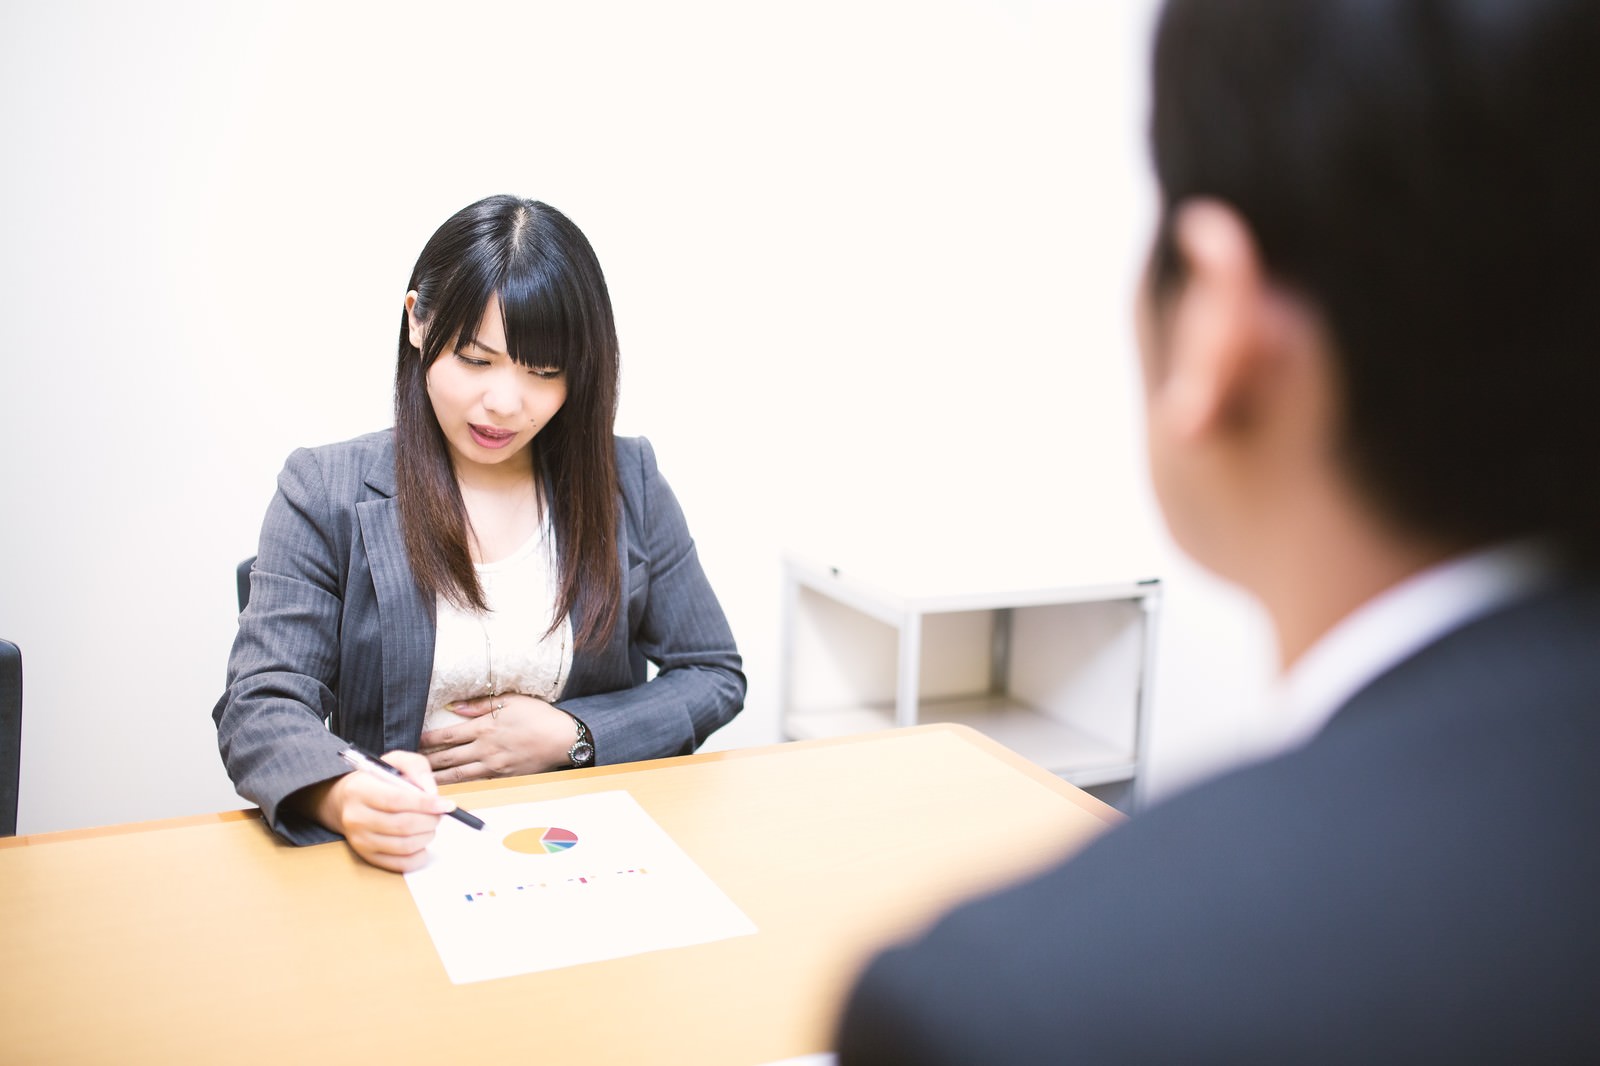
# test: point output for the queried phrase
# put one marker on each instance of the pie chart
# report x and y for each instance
(541, 840)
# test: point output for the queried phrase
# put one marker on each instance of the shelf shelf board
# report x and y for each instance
(890, 603)
(889, 593)
(1070, 753)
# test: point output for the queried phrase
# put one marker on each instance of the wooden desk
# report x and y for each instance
(206, 940)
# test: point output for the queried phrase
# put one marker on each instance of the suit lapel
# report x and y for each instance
(599, 671)
(406, 625)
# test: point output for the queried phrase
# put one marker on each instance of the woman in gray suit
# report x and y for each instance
(478, 590)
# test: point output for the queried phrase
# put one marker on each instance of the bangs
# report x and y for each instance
(553, 299)
(545, 322)
(545, 317)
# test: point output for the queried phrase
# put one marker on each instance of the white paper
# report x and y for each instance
(562, 882)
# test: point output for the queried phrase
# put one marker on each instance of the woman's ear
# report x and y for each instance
(414, 326)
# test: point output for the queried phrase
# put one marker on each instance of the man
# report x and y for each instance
(1372, 365)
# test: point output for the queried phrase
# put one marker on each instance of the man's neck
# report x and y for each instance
(1325, 562)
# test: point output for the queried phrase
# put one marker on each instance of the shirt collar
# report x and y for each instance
(1396, 624)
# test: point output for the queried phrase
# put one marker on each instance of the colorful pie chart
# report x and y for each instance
(541, 840)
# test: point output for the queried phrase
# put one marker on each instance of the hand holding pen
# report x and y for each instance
(387, 812)
(372, 764)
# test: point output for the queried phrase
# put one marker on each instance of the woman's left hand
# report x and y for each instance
(506, 735)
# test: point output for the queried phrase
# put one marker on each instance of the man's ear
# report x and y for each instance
(1221, 325)
(413, 325)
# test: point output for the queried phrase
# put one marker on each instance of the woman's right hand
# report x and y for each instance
(388, 826)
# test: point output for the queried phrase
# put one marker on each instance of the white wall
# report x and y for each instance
(872, 264)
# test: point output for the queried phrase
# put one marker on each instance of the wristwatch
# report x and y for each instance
(582, 752)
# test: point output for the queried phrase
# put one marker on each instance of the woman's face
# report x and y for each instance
(489, 406)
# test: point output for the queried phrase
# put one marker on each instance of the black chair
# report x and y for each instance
(242, 575)
(10, 734)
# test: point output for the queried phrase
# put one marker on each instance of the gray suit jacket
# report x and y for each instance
(337, 632)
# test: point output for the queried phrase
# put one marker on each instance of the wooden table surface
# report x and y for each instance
(206, 940)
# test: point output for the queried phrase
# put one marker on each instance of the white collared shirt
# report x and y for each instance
(1396, 624)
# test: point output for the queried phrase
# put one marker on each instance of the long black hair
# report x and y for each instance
(557, 314)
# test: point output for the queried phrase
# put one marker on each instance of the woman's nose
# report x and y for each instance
(504, 394)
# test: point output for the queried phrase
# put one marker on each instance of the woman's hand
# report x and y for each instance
(387, 825)
(507, 735)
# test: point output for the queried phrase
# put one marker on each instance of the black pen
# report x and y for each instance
(374, 765)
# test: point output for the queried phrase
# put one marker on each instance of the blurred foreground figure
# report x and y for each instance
(1371, 364)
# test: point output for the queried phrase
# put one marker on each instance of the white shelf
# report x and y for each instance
(1059, 747)
(1058, 672)
(887, 600)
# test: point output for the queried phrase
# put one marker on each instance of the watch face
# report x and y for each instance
(581, 753)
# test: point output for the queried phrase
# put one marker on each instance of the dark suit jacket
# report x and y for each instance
(337, 631)
(1419, 884)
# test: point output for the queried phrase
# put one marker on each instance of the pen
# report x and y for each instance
(360, 760)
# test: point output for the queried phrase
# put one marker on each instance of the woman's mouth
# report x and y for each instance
(489, 436)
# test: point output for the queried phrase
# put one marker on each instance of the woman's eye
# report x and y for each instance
(469, 361)
(545, 373)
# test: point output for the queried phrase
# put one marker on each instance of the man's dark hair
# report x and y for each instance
(1426, 173)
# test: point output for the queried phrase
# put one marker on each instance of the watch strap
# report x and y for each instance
(582, 751)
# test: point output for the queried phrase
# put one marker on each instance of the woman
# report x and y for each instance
(476, 591)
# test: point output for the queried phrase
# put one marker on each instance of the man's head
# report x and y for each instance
(1403, 201)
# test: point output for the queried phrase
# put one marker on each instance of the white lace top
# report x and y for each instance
(504, 650)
